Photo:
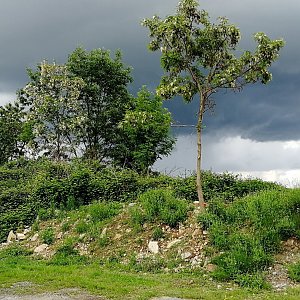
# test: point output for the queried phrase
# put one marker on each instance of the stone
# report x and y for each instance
(21, 236)
(59, 235)
(11, 237)
(196, 233)
(26, 230)
(186, 255)
(103, 233)
(211, 267)
(118, 236)
(81, 236)
(153, 247)
(132, 204)
(41, 248)
(34, 238)
(290, 242)
(205, 232)
(173, 243)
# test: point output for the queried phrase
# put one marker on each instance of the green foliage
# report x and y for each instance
(294, 271)
(145, 133)
(67, 254)
(15, 133)
(52, 95)
(198, 54)
(81, 227)
(103, 99)
(249, 231)
(162, 206)
(157, 233)
(14, 250)
(200, 57)
(48, 236)
(225, 186)
(101, 211)
(153, 264)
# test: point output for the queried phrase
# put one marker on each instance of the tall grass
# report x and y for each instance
(249, 231)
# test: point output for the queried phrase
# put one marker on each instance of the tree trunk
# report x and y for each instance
(199, 151)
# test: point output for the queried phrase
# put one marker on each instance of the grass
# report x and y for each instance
(115, 284)
(249, 231)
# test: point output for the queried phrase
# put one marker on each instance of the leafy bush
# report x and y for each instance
(100, 211)
(48, 236)
(294, 271)
(162, 206)
(224, 186)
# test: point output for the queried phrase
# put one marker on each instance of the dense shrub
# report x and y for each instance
(249, 231)
(29, 188)
(161, 206)
(225, 186)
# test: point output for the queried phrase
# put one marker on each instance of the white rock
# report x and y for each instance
(186, 255)
(26, 230)
(103, 233)
(131, 204)
(118, 236)
(59, 235)
(153, 247)
(34, 238)
(21, 236)
(173, 243)
(11, 237)
(41, 248)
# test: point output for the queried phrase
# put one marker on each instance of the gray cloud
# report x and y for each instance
(33, 30)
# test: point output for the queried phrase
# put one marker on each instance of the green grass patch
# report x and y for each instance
(249, 231)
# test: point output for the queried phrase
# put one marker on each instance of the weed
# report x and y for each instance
(294, 271)
(65, 227)
(48, 236)
(160, 205)
(157, 233)
(15, 250)
(82, 227)
(67, 254)
(100, 211)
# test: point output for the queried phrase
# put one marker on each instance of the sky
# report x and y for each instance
(255, 132)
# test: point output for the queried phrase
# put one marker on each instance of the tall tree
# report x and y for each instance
(144, 133)
(15, 132)
(200, 58)
(103, 99)
(52, 96)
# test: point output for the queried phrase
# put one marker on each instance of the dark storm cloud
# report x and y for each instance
(33, 30)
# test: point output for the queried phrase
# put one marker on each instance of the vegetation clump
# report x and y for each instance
(249, 231)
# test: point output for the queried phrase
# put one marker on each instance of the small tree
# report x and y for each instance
(144, 133)
(199, 58)
(52, 96)
(103, 99)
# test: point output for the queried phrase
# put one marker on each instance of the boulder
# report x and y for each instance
(153, 247)
(186, 255)
(35, 237)
(11, 237)
(103, 233)
(40, 249)
(21, 236)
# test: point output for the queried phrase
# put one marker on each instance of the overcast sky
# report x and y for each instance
(251, 131)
